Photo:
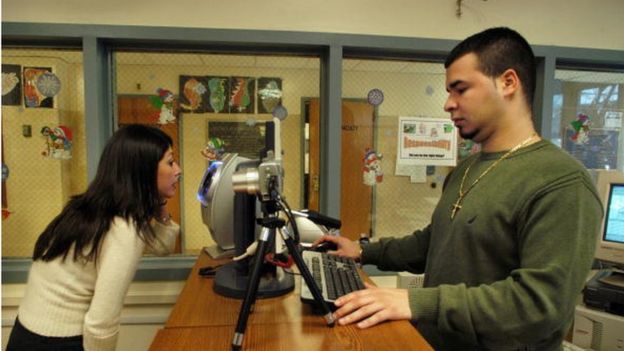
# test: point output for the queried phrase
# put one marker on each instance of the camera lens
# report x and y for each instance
(246, 181)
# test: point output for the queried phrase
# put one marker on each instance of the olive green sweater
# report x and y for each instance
(506, 272)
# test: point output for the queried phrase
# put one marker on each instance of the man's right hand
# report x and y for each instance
(345, 246)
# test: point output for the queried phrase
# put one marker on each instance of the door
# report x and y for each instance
(356, 198)
(138, 109)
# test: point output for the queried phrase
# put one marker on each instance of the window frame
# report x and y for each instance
(99, 41)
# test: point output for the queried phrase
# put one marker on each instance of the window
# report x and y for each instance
(588, 110)
(43, 144)
(378, 197)
(216, 96)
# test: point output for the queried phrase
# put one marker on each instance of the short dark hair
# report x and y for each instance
(125, 185)
(499, 49)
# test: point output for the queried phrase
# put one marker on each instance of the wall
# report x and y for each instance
(576, 23)
(146, 308)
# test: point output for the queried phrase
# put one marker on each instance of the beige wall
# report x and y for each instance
(580, 23)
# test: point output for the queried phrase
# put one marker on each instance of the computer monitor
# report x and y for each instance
(610, 244)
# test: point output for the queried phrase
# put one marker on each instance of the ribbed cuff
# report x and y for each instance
(370, 252)
(93, 343)
(424, 303)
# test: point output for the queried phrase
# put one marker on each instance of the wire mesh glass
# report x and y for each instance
(221, 96)
(43, 143)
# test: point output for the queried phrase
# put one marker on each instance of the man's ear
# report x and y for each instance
(509, 82)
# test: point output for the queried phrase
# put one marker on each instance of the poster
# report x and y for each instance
(613, 119)
(11, 85)
(426, 141)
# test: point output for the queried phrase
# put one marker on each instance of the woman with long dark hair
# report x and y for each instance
(85, 259)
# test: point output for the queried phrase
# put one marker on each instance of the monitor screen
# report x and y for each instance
(614, 215)
(610, 241)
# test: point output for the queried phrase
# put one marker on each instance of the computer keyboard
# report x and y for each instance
(334, 275)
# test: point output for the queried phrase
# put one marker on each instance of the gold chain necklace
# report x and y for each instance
(458, 204)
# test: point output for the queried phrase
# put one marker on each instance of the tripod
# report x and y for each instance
(270, 224)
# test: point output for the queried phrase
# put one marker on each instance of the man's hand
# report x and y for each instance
(372, 306)
(345, 246)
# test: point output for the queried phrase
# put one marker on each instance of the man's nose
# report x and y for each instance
(450, 104)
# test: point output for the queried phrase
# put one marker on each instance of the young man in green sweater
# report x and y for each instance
(512, 238)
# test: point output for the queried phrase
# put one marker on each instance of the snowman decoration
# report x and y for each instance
(372, 172)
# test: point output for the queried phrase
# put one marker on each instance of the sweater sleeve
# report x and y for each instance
(165, 240)
(116, 265)
(556, 239)
(407, 253)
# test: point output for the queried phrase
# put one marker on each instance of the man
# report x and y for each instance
(513, 236)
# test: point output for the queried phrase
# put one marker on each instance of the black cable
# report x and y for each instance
(291, 219)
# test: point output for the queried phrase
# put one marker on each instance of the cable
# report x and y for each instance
(291, 218)
(250, 251)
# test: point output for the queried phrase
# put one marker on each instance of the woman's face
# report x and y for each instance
(168, 175)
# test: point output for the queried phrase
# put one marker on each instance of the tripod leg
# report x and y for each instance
(252, 290)
(307, 276)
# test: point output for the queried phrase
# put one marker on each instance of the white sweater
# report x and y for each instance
(69, 298)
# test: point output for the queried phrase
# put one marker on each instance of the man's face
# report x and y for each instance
(474, 100)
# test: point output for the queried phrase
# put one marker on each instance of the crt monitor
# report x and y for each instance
(610, 244)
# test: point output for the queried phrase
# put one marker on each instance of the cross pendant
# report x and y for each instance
(456, 207)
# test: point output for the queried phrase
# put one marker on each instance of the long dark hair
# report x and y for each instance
(125, 185)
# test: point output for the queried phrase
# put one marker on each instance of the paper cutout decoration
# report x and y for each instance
(214, 149)
(375, 97)
(58, 142)
(218, 88)
(48, 84)
(33, 97)
(192, 94)
(11, 85)
(372, 172)
(242, 90)
(581, 129)
(269, 94)
(168, 105)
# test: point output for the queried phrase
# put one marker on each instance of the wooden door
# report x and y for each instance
(137, 109)
(357, 135)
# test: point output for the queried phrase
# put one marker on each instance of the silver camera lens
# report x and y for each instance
(246, 181)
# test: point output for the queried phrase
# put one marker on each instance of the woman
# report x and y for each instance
(85, 259)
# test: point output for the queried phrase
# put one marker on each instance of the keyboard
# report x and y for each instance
(334, 275)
